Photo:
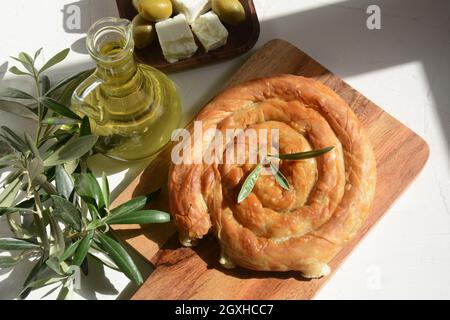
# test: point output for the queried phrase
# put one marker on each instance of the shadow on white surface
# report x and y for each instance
(89, 289)
(411, 31)
(79, 46)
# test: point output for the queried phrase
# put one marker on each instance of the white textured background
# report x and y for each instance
(404, 68)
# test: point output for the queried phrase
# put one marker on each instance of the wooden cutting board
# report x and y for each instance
(194, 273)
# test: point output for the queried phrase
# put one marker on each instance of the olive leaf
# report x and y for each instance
(16, 244)
(130, 206)
(39, 267)
(72, 196)
(54, 264)
(26, 59)
(57, 58)
(37, 53)
(67, 80)
(139, 217)
(72, 150)
(31, 145)
(8, 160)
(8, 195)
(13, 144)
(12, 176)
(5, 150)
(5, 210)
(26, 62)
(61, 139)
(18, 72)
(87, 187)
(85, 127)
(58, 121)
(67, 212)
(13, 135)
(15, 94)
(120, 257)
(29, 203)
(249, 183)
(20, 228)
(82, 249)
(63, 181)
(303, 155)
(71, 166)
(59, 108)
(44, 83)
(105, 190)
(70, 250)
(35, 168)
(102, 257)
(95, 214)
(17, 109)
(84, 267)
(58, 245)
(279, 177)
(13, 139)
(8, 262)
(95, 224)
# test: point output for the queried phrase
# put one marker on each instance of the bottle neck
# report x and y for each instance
(110, 44)
(117, 73)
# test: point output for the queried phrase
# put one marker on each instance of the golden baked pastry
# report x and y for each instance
(304, 227)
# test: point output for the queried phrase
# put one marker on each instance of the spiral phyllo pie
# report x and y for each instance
(300, 228)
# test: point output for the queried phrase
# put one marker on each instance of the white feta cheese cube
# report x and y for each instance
(210, 31)
(176, 38)
(192, 9)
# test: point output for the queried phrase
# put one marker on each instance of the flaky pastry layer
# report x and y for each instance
(276, 229)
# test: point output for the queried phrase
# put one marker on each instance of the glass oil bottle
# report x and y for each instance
(132, 107)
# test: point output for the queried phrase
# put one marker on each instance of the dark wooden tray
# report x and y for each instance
(241, 39)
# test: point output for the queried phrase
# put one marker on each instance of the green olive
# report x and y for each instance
(154, 10)
(143, 32)
(229, 11)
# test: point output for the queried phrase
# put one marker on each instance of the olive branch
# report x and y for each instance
(253, 176)
(58, 211)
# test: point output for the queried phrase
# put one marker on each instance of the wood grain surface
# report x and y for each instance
(194, 273)
(241, 38)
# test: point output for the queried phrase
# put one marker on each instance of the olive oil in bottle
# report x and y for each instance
(133, 107)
